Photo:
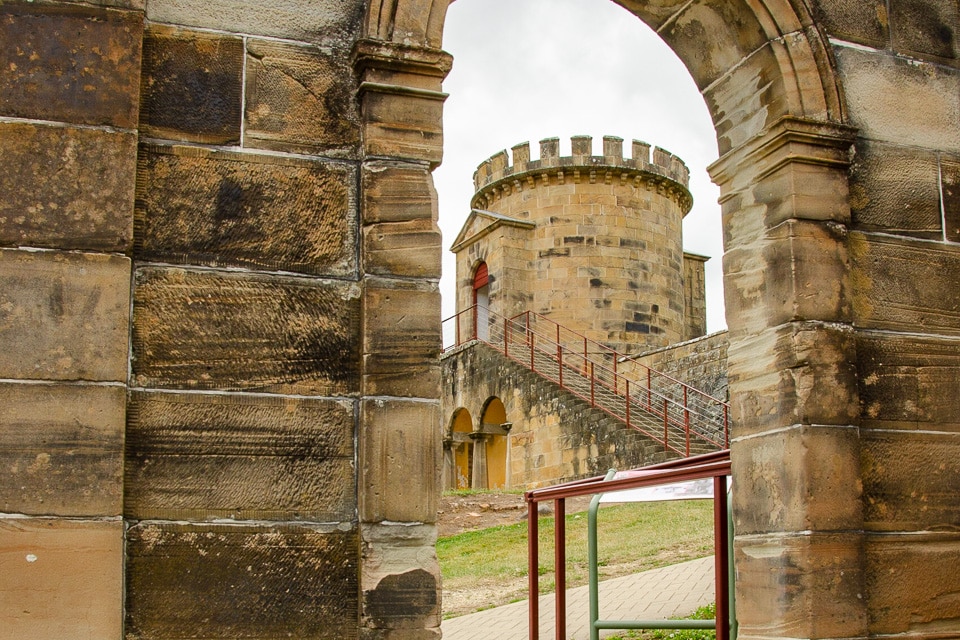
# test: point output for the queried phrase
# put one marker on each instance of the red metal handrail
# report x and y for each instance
(714, 465)
(564, 356)
(655, 379)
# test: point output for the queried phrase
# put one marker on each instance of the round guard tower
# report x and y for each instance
(592, 242)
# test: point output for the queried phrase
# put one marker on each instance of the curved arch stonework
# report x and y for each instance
(794, 279)
(418, 23)
(723, 45)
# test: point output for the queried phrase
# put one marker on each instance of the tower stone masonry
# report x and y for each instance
(594, 242)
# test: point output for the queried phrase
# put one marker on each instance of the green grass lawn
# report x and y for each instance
(631, 538)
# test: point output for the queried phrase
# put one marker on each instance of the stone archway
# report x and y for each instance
(766, 74)
(458, 453)
(493, 422)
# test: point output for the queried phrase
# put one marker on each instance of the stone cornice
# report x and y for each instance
(787, 140)
(392, 56)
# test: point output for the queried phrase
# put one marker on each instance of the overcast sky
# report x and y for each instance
(525, 70)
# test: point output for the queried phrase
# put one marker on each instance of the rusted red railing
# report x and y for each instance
(684, 419)
(714, 465)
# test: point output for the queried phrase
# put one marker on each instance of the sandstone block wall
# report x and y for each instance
(246, 344)
(694, 295)
(203, 265)
(903, 86)
(69, 96)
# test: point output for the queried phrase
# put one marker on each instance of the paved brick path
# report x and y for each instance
(667, 592)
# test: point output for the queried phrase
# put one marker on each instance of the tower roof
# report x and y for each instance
(480, 222)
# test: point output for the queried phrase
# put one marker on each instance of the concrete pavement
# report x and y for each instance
(668, 592)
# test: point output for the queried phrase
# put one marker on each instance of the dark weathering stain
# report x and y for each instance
(402, 596)
(334, 355)
(236, 213)
(234, 331)
(192, 83)
(642, 327)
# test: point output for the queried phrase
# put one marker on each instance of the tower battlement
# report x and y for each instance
(661, 169)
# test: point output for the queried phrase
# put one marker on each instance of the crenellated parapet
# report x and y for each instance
(660, 171)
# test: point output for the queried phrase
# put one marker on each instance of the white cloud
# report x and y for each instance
(531, 69)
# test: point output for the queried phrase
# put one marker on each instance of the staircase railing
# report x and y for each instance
(685, 420)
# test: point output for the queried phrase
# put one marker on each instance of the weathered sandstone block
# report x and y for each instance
(895, 190)
(798, 171)
(313, 22)
(63, 316)
(745, 95)
(237, 331)
(401, 339)
(797, 373)
(876, 84)
(919, 28)
(886, 274)
(911, 480)
(950, 193)
(395, 192)
(241, 581)
(800, 586)
(798, 271)
(909, 381)
(776, 474)
(70, 63)
(403, 126)
(400, 581)
(252, 458)
(229, 209)
(61, 449)
(399, 460)
(803, 191)
(191, 86)
(861, 21)
(686, 33)
(61, 578)
(911, 583)
(86, 206)
(300, 99)
(409, 249)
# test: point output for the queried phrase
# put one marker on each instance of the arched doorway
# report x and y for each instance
(494, 424)
(766, 74)
(462, 447)
(481, 300)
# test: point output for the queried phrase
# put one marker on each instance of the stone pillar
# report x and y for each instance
(793, 386)
(448, 477)
(479, 474)
(68, 116)
(240, 487)
(399, 428)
